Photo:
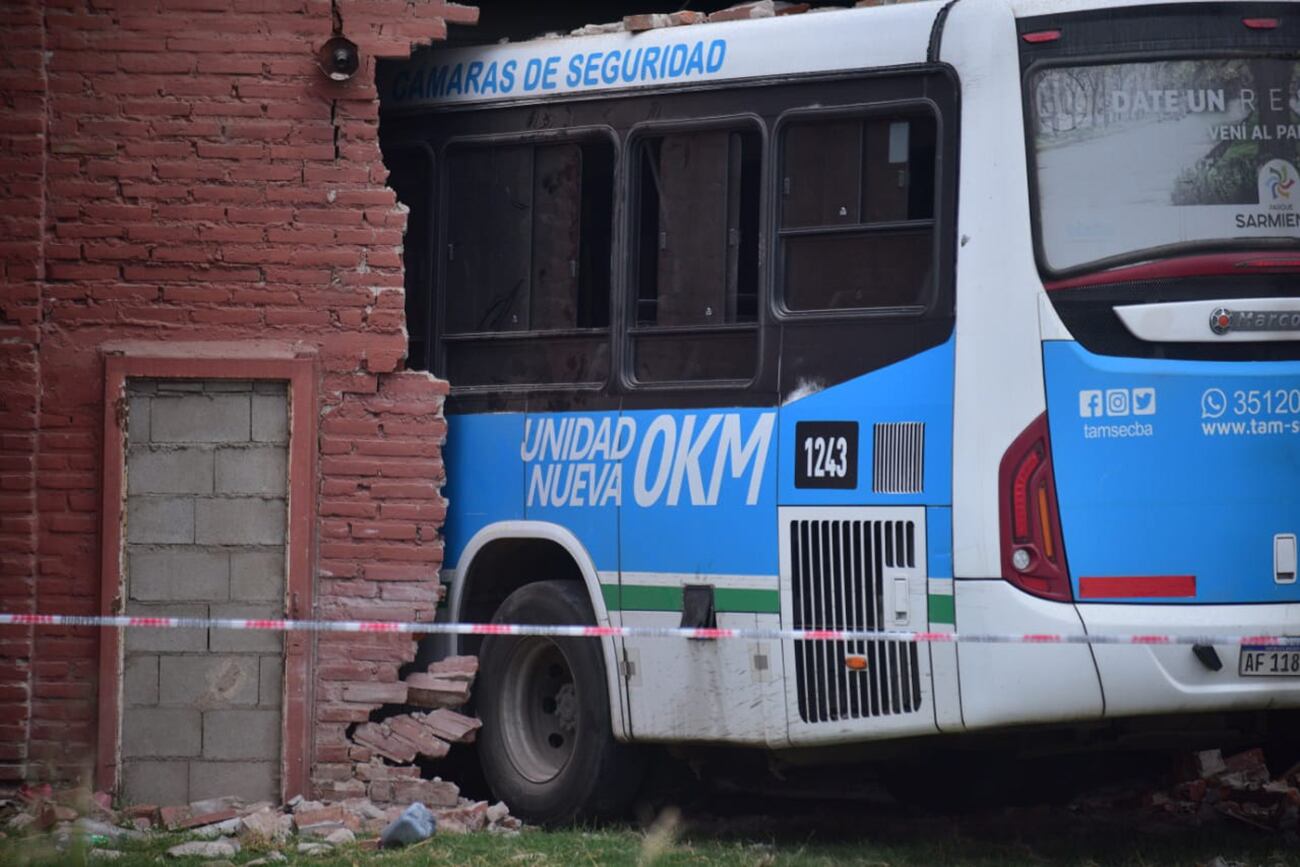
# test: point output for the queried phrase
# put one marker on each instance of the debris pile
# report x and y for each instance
(1212, 788)
(739, 12)
(221, 827)
(384, 753)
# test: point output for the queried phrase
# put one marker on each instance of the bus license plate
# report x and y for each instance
(1277, 660)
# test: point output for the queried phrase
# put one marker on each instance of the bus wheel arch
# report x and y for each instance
(504, 557)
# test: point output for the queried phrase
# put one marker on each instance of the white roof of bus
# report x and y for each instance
(825, 40)
(822, 41)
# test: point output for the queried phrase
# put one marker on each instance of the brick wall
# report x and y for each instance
(23, 122)
(180, 170)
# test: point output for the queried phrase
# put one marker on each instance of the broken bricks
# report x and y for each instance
(414, 730)
(402, 738)
(451, 726)
(381, 738)
(431, 691)
(455, 668)
(434, 793)
(1239, 788)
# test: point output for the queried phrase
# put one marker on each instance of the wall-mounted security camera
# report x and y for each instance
(339, 58)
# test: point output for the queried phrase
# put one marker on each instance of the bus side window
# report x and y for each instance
(489, 239)
(696, 247)
(857, 213)
(529, 230)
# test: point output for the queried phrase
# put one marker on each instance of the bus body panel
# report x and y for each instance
(942, 613)
(705, 691)
(899, 450)
(485, 478)
(659, 501)
(1010, 684)
(1174, 477)
(915, 391)
(998, 392)
(1169, 679)
(999, 386)
(698, 504)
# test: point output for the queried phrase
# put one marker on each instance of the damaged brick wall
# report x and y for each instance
(23, 116)
(381, 509)
(181, 170)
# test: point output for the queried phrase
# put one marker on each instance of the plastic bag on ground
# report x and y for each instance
(415, 824)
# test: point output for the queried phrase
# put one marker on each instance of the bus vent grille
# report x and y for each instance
(898, 457)
(837, 582)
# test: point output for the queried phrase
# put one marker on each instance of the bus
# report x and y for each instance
(977, 315)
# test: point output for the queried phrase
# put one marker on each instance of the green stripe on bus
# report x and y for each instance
(943, 609)
(643, 597)
(610, 592)
(747, 601)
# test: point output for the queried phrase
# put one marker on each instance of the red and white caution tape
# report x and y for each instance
(553, 631)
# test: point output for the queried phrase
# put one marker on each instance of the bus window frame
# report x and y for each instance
(439, 338)
(430, 240)
(629, 268)
(941, 222)
(1083, 58)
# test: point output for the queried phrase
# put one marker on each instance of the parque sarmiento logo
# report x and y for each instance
(1280, 181)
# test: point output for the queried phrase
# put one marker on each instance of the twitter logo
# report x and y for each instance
(1144, 401)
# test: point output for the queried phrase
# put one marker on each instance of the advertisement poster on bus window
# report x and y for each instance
(1137, 157)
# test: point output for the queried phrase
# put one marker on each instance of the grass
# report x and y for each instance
(860, 835)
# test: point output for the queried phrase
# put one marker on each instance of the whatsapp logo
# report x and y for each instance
(1214, 403)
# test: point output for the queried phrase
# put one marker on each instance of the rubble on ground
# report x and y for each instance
(746, 11)
(1212, 788)
(219, 828)
(369, 794)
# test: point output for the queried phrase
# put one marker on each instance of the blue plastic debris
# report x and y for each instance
(415, 824)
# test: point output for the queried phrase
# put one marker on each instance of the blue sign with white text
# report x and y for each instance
(1175, 468)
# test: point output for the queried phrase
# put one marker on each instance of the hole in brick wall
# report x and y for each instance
(411, 175)
(401, 721)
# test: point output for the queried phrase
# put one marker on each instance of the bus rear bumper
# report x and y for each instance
(1162, 679)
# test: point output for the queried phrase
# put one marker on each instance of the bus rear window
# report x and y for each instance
(857, 212)
(1137, 160)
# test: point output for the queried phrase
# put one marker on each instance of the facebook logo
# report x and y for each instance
(1090, 405)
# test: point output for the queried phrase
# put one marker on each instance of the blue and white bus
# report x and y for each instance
(976, 315)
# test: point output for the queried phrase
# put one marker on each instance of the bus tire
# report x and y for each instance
(547, 747)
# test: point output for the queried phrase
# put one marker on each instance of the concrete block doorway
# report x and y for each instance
(209, 503)
(206, 505)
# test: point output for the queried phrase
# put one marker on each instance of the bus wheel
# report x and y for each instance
(547, 746)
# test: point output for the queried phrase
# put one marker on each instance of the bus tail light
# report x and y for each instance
(1033, 553)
